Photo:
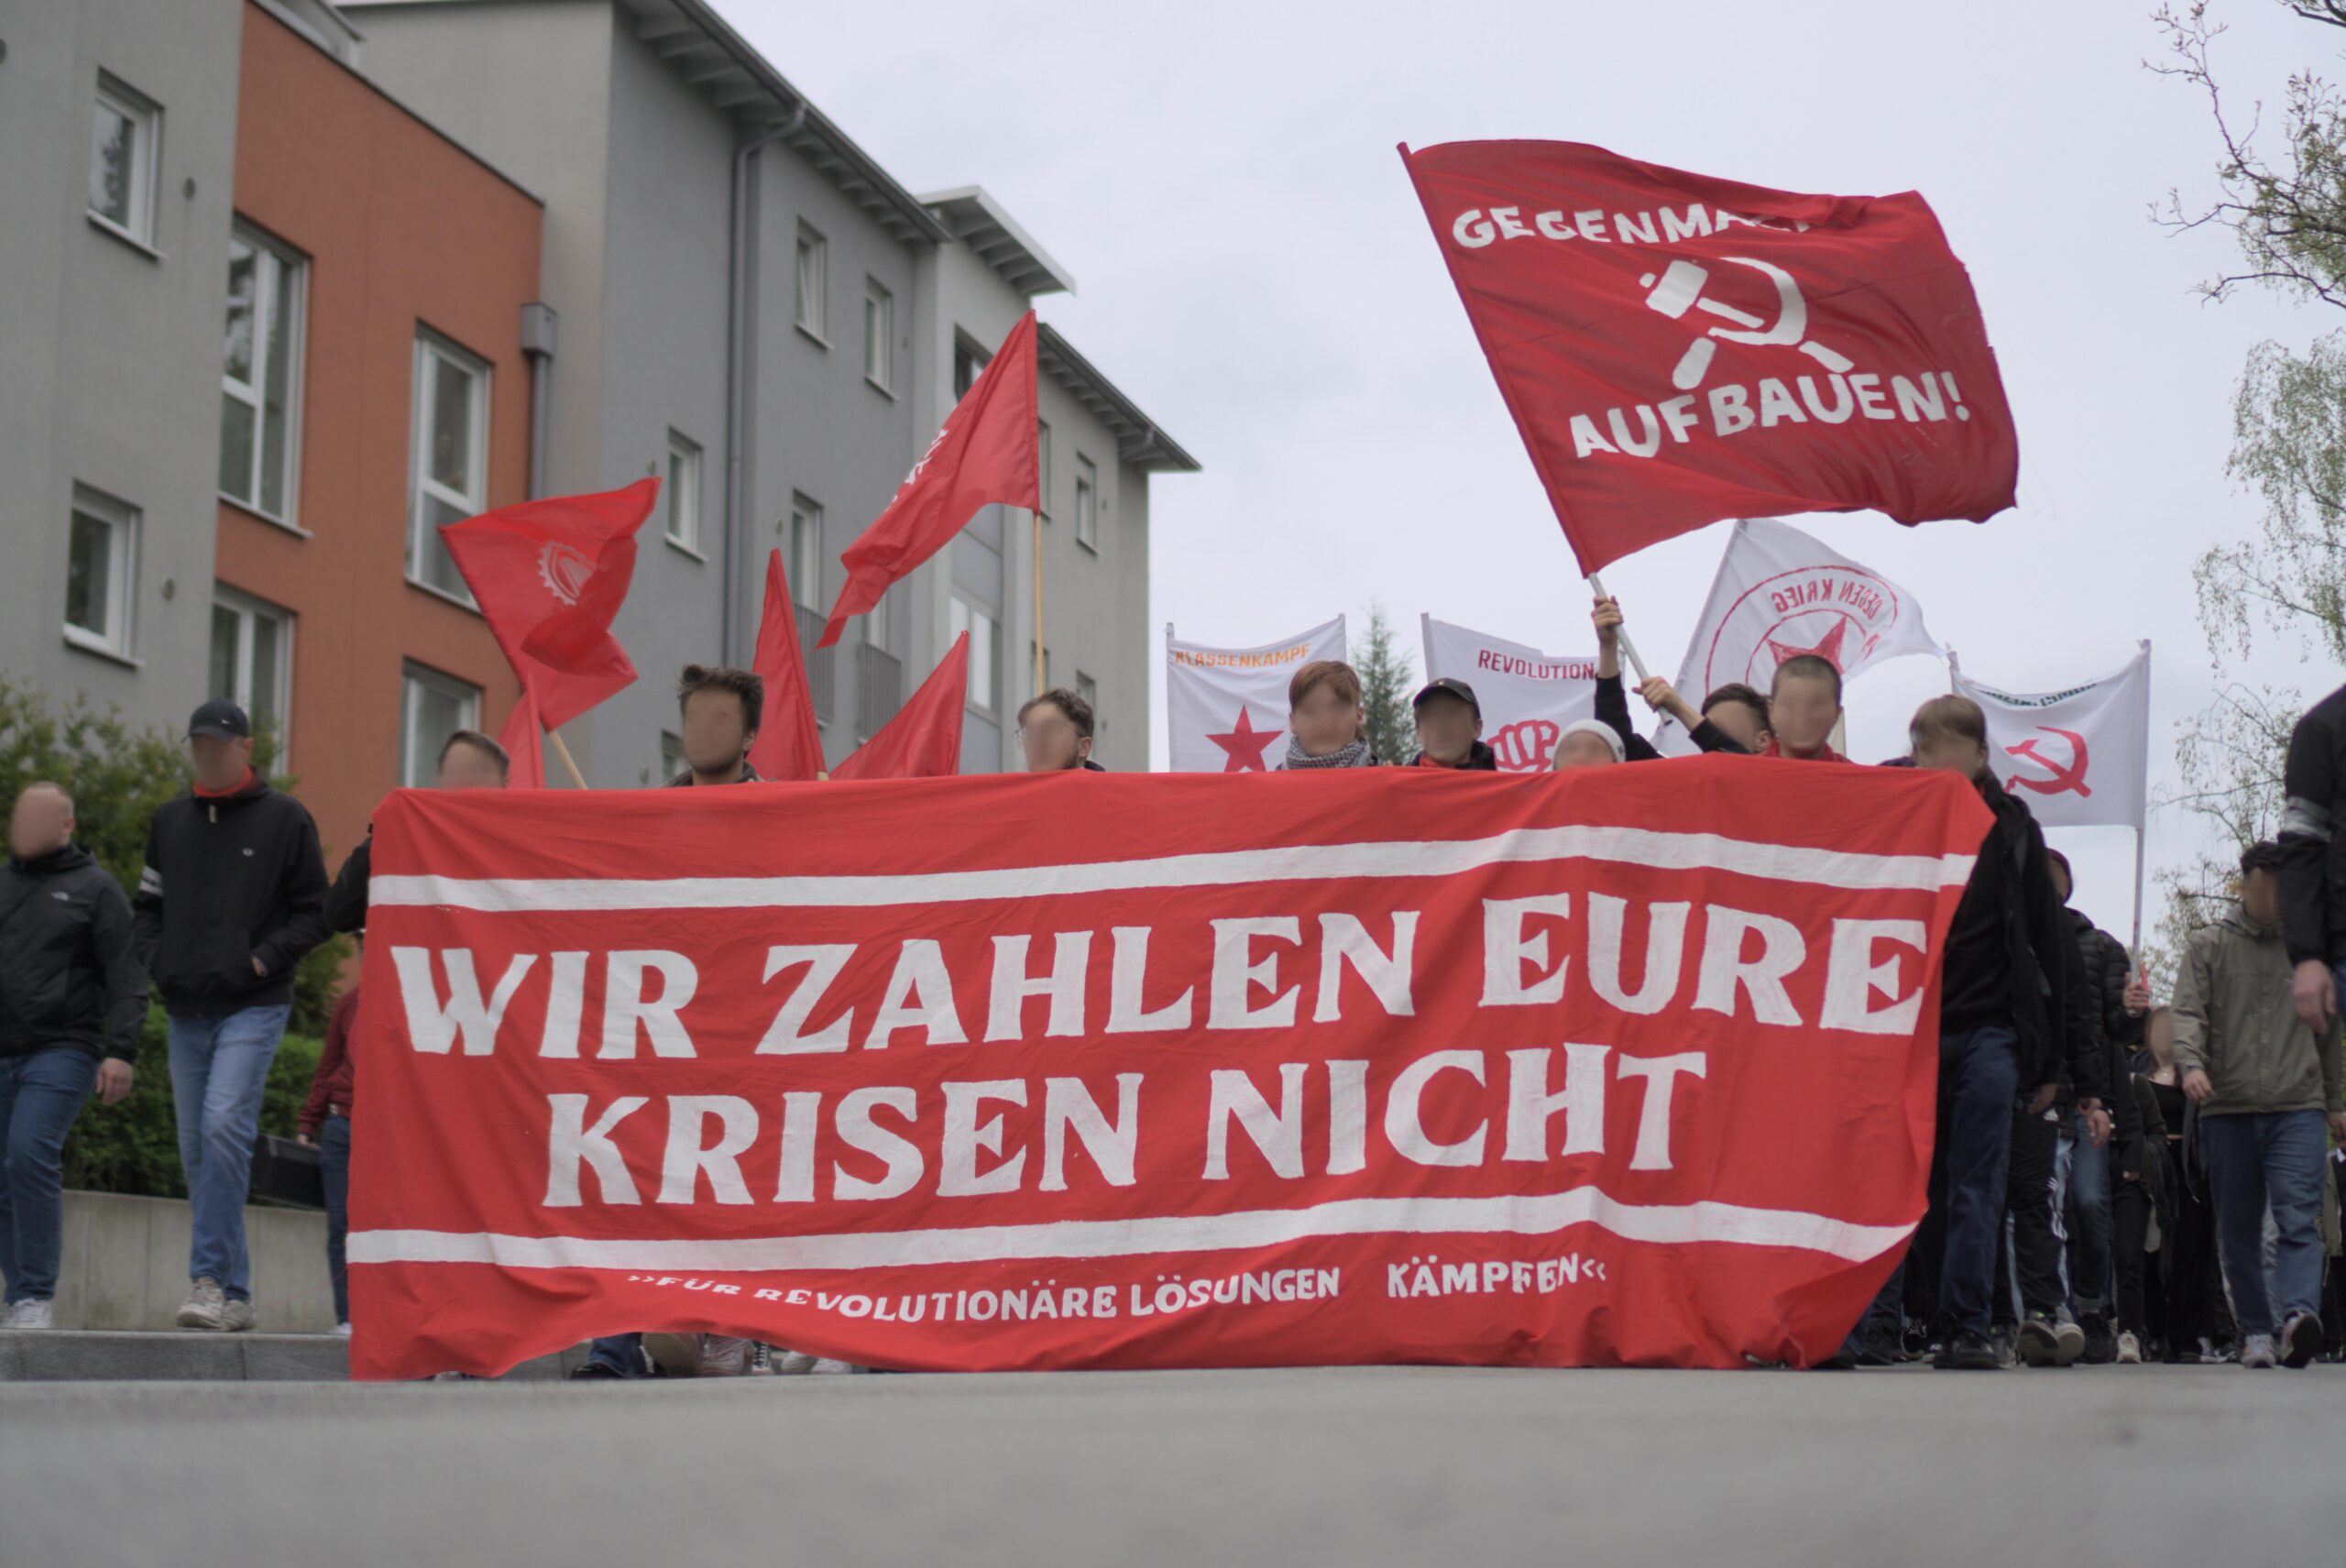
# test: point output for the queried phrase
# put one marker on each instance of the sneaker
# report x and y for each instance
(1969, 1353)
(1879, 1350)
(237, 1317)
(205, 1308)
(792, 1362)
(2040, 1341)
(2301, 1338)
(724, 1356)
(2256, 1351)
(2101, 1345)
(343, 1329)
(31, 1313)
(831, 1364)
(2130, 1349)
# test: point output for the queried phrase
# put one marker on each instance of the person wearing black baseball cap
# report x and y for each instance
(1450, 727)
(232, 896)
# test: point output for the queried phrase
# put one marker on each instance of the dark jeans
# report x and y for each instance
(2192, 1294)
(1979, 1075)
(334, 1160)
(2278, 1157)
(39, 1096)
(2033, 1253)
(2089, 1225)
(623, 1354)
(2129, 1213)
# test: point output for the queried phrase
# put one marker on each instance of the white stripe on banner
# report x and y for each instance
(1521, 1214)
(1293, 862)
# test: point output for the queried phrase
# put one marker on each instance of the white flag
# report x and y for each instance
(2080, 757)
(1227, 707)
(1526, 696)
(1780, 593)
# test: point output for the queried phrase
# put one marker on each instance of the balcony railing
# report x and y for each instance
(818, 661)
(879, 688)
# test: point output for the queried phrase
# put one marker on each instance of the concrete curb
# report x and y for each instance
(83, 1356)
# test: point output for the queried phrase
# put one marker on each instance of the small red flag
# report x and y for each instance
(1676, 348)
(788, 745)
(986, 453)
(524, 740)
(924, 740)
(549, 575)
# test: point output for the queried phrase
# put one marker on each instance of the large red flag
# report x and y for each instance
(524, 740)
(1678, 349)
(986, 453)
(549, 575)
(924, 740)
(788, 745)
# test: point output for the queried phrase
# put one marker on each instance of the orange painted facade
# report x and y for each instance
(402, 229)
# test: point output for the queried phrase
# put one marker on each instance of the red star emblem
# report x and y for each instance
(1828, 647)
(1244, 746)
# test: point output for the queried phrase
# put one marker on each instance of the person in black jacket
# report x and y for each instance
(1734, 718)
(2313, 859)
(2109, 1005)
(2005, 1033)
(1449, 723)
(71, 998)
(232, 896)
(468, 760)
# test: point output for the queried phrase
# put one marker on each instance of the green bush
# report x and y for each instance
(134, 1148)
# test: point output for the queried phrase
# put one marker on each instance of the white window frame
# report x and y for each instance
(875, 622)
(681, 492)
(1087, 503)
(803, 555)
(1089, 690)
(810, 315)
(430, 346)
(878, 300)
(117, 638)
(284, 271)
(146, 117)
(415, 679)
(985, 634)
(248, 611)
(672, 754)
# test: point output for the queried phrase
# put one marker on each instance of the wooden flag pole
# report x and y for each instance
(1038, 604)
(563, 753)
(1620, 635)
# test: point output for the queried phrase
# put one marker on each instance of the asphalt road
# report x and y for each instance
(2081, 1467)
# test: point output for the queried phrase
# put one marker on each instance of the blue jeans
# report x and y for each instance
(2254, 1158)
(333, 1161)
(623, 1354)
(219, 1066)
(39, 1096)
(1979, 1076)
(2089, 1254)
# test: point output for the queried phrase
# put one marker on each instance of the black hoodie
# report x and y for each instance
(69, 965)
(230, 881)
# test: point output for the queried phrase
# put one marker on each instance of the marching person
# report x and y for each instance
(1733, 717)
(2003, 1014)
(325, 1122)
(1450, 729)
(73, 995)
(1327, 726)
(1054, 733)
(468, 760)
(1795, 719)
(1587, 743)
(2264, 1084)
(2313, 864)
(2110, 1002)
(232, 896)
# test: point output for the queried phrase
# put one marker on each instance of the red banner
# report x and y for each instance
(1678, 349)
(1632, 1065)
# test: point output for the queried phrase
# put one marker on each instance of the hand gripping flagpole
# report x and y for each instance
(1620, 633)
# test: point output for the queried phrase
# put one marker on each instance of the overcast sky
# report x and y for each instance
(1258, 277)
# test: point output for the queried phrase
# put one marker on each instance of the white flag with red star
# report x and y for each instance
(1227, 707)
(2079, 756)
(1780, 593)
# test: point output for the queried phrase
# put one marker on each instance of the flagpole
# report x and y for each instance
(563, 753)
(2139, 837)
(1620, 633)
(1038, 603)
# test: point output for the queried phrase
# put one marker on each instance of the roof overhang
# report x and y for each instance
(993, 237)
(1139, 441)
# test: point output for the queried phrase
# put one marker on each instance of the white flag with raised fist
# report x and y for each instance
(1227, 707)
(1526, 696)
(2080, 756)
(1780, 593)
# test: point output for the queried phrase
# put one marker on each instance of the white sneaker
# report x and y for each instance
(792, 1363)
(724, 1356)
(342, 1329)
(831, 1364)
(2256, 1351)
(2130, 1349)
(237, 1317)
(31, 1314)
(205, 1308)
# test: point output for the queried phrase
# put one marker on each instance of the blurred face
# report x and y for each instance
(1052, 743)
(1582, 749)
(1324, 722)
(41, 822)
(219, 763)
(1739, 724)
(2160, 1033)
(716, 735)
(1802, 713)
(1447, 728)
(2260, 896)
(467, 767)
(2060, 879)
(1952, 754)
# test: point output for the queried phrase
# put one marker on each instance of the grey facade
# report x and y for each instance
(629, 118)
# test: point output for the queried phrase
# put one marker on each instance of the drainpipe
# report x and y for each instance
(537, 346)
(738, 349)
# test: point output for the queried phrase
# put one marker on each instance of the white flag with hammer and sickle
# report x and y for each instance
(2079, 756)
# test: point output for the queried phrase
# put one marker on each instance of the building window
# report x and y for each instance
(260, 370)
(1087, 502)
(875, 623)
(1089, 690)
(672, 755)
(433, 706)
(804, 552)
(684, 493)
(814, 263)
(101, 572)
(1042, 469)
(252, 661)
(122, 147)
(966, 363)
(449, 480)
(879, 333)
(983, 685)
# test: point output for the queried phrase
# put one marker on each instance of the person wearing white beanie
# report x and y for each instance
(1587, 743)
